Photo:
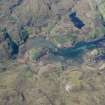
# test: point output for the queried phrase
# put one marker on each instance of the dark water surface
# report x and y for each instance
(76, 21)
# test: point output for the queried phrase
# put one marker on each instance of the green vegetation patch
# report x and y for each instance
(102, 9)
(33, 54)
(63, 39)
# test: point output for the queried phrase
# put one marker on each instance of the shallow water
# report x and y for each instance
(39, 42)
(79, 49)
(75, 52)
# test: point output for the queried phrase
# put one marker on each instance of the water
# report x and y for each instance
(79, 49)
(23, 34)
(69, 53)
(39, 42)
(7, 36)
(14, 49)
(75, 52)
(76, 21)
